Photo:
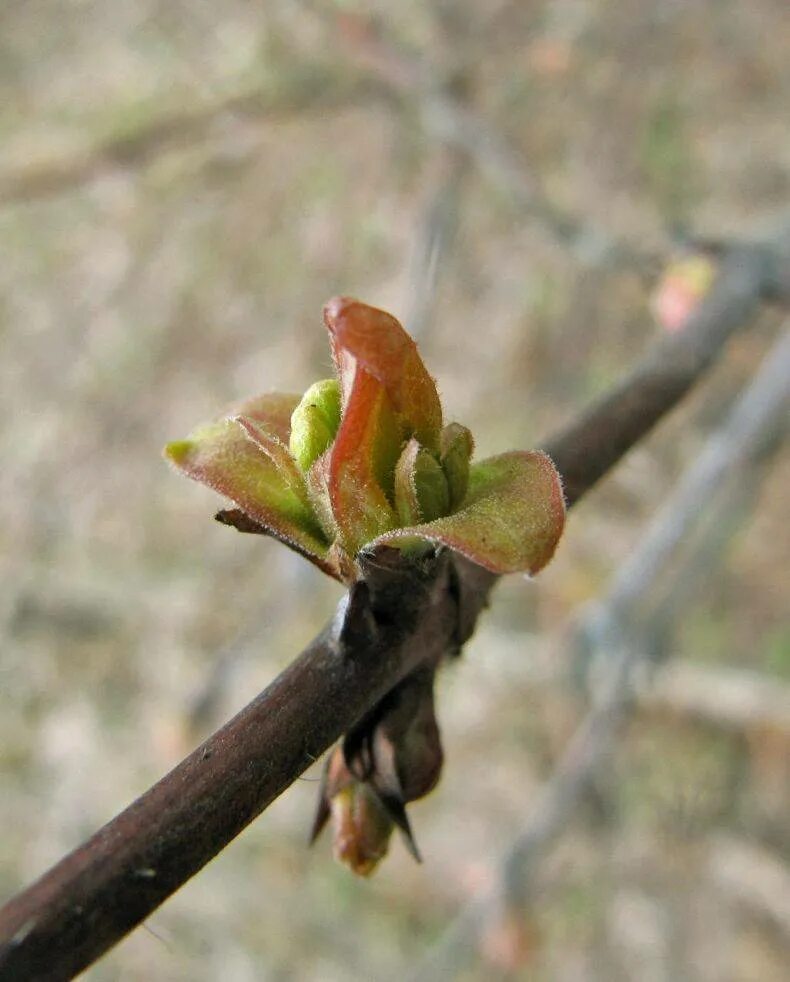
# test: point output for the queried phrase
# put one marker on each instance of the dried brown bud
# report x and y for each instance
(361, 828)
(393, 756)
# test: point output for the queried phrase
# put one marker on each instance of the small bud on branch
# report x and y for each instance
(364, 461)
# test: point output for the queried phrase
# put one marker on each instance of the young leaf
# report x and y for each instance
(421, 491)
(510, 521)
(363, 452)
(314, 422)
(272, 410)
(406, 501)
(376, 341)
(254, 473)
(456, 451)
(279, 455)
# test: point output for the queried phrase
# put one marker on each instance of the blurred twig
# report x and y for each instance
(736, 443)
(756, 414)
(731, 698)
(659, 382)
(752, 878)
(433, 240)
(303, 88)
(384, 629)
(446, 117)
(722, 516)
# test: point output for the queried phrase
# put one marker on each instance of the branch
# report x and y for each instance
(734, 699)
(98, 893)
(590, 447)
(757, 412)
(735, 443)
(751, 877)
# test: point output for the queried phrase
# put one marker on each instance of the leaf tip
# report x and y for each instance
(335, 309)
(178, 451)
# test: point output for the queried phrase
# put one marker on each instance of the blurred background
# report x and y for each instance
(182, 186)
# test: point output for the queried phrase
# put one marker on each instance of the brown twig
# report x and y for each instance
(98, 893)
(591, 446)
(756, 414)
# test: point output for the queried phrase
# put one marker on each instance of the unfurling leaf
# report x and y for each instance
(314, 422)
(253, 473)
(456, 452)
(363, 461)
(421, 488)
(373, 340)
(510, 521)
(360, 506)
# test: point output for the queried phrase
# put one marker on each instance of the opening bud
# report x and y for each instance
(421, 491)
(456, 451)
(315, 422)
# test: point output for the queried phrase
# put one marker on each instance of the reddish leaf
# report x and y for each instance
(362, 456)
(376, 341)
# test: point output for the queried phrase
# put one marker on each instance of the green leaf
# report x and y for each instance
(279, 455)
(510, 521)
(406, 501)
(421, 492)
(247, 462)
(315, 422)
(456, 451)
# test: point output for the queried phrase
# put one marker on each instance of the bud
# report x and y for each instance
(433, 494)
(421, 491)
(683, 286)
(456, 451)
(391, 757)
(406, 746)
(361, 828)
(315, 422)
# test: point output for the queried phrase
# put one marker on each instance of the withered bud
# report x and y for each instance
(393, 756)
(361, 827)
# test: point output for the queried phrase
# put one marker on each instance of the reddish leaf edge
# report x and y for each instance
(460, 532)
